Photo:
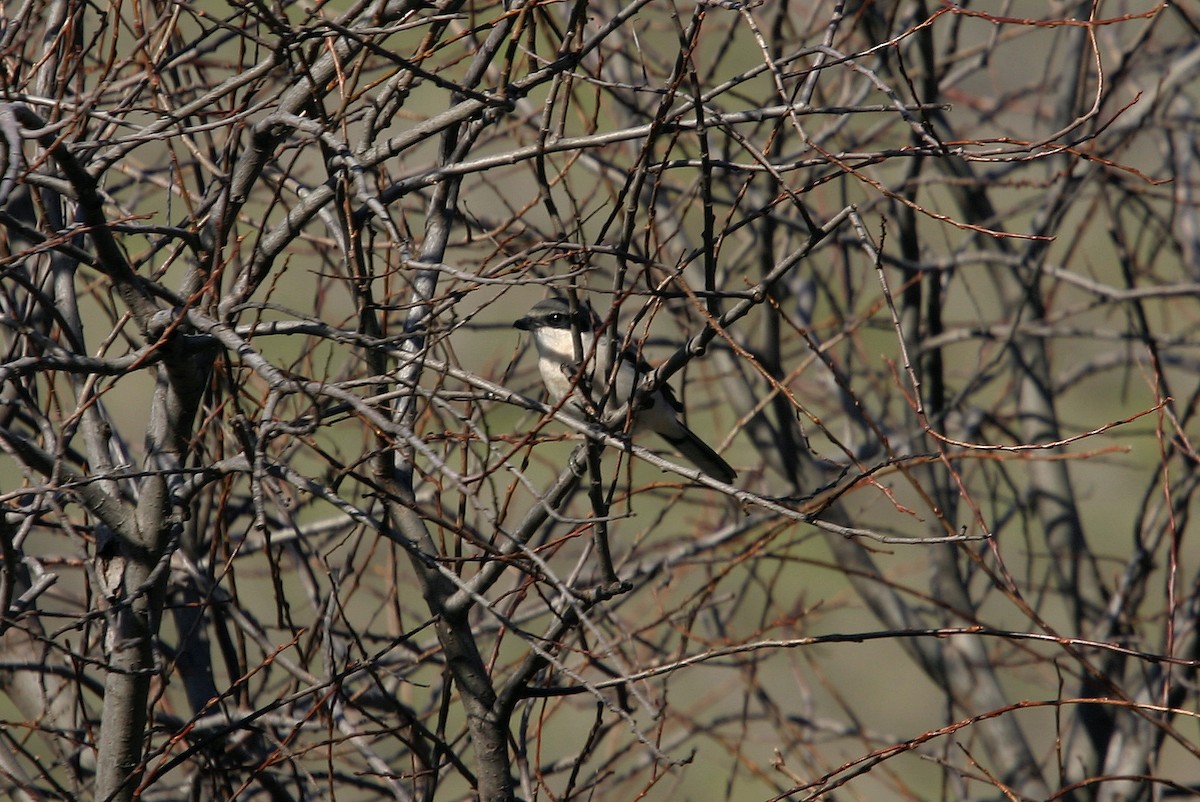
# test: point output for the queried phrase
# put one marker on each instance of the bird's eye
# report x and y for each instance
(558, 320)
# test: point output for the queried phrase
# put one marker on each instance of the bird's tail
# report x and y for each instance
(683, 440)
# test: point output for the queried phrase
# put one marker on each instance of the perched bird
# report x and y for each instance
(552, 326)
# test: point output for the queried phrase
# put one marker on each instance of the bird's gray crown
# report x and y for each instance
(555, 313)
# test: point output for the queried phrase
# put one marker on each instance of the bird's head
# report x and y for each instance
(555, 313)
(552, 326)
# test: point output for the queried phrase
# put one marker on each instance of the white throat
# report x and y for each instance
(559, 344)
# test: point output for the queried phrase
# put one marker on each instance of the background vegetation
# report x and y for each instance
(284, 516)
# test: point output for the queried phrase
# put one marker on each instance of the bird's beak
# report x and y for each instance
(524, 324)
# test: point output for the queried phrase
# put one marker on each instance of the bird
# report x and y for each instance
(552, 327)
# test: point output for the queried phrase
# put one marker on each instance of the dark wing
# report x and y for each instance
(643, 369)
